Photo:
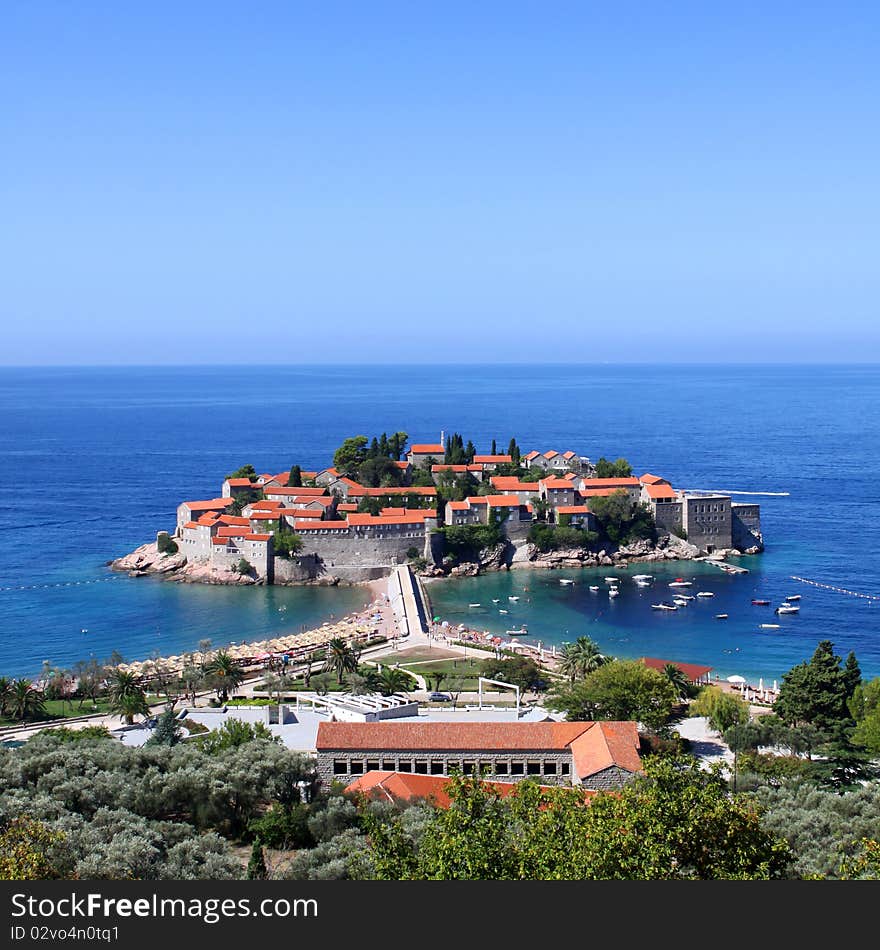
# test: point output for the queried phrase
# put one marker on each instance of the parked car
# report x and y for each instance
(439, 697)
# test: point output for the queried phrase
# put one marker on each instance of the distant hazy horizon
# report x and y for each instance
(222, 185)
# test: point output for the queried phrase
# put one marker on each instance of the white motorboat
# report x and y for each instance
(643, 583)
(513, 598)
(786, 609)
(496, 600)
(594, 586)
(793, 597)
(613, 592)
(679, 603)
(610, 580)
(663, 607)
(563, 581)
(680, 583)
(522, 632)
(769, 626)
(643, 577)
(475, 605)
(721, 616)
(502, 611)
(705, 593)
(683, 596)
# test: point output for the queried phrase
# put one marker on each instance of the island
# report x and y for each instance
(443, 508)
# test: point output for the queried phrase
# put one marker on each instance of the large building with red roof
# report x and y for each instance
(592, 755)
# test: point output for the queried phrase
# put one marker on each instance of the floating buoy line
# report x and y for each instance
(839, 590)
(97, 580)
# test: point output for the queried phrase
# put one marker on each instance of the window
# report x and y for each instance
(405, 765)
(517, 768)
(549, 768)
(533, 768)
(436, 768)
(421, 768)
(357, 768)
(501, 768)
(469, 768)
(453, 765)
(372, 765)
(565, 768)
(388, 765)
(340, 767)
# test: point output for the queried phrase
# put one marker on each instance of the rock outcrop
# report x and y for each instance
(147, 560)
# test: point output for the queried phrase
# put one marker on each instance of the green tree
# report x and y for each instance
(286, 543)
(25, 848)
(223, 674)
(256, 869)
(622, 690)
(25, 701)
(127, 696)
(678, 679)
(5, 694)
(622, 520)
(295, 479)
(349, 457)
(815, 692)
(581, 658)
(521, 671)
(617, 469)
(167, 731)
(246, 471)
(342, 658)
(243, 566)
(393, 680)
(164, 544)
(722, 710)
(233, 734)
(514, 452)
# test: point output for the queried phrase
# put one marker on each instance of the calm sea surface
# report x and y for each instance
(95, 460)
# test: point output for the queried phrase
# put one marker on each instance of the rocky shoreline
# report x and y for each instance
(508, 556)
(147, 560)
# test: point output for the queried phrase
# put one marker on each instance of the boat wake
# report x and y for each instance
(724, 491)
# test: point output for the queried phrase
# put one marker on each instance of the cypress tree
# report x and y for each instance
(294, 480)
(256, 869)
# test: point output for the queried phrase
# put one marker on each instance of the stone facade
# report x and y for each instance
(746, 526)
(667, 516)
(707, 520)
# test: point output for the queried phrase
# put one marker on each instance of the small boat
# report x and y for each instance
(663, 607)
(721, 616)
(769, 626)
(610, 580)
(563, 581)
(680, 601)
(475, 605)
(594, 586)
(683, 597)
(496, 600)
(503, 611)
(705, 593)
(680, 583)
(643, 577)
(613, 592)
(643, 583)
(513, 598)
(786, 609)
(522, 632)
(793, 597)
(761, 603)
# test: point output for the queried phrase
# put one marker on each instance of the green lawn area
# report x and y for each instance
(456, 670)
(61, 709)
(416, 654)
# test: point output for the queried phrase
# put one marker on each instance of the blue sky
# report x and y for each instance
(291, 182)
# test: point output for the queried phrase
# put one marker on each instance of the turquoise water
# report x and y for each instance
(98, 459)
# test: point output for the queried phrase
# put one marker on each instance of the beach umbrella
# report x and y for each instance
(736, 679)
(436, 620)
(761, 685)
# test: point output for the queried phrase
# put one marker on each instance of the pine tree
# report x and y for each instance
(294, 480)
(256, 869)
(470, 451)
(852, 674)
(167, 731)
(494, 448)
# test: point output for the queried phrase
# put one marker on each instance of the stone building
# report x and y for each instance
(706, 517)
(419, 455)
(594, 755)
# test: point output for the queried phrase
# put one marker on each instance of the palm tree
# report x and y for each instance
(223, 674)
(342, 658)
(581, 658)
(25, 700)
(5, 693)
(680, 683)
(127, 696)
(392, 680)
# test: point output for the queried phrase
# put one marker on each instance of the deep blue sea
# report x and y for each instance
(96, 460)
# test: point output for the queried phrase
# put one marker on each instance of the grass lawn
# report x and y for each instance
(61, 709)
(415, 654)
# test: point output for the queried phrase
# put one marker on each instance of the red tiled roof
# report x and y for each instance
(401, 465)
(295, 491)
(269, 515)
(232, 531)
(512, 483)
(555, 483)
(660, 491)
(568, 455)
(531, 455)
(257, 537)
(649, 479)
(611, 744)
(212, 504)
(569, 476)
(264, 505)
(449, 468)
(209, 518)
(551, 454)
(597, 492)
(400, 786)
(347, 506)
(477, 499)
(427, 449)
(232, 519)
(301, 513)
(396, 490)
(239, 482)
(491, 459)
(572, 510)
(218, 541)
(616, 743)
(693, 671)
(421, 512)
(303, 501)
(502, 501)
(191, 524)
(459, 505)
